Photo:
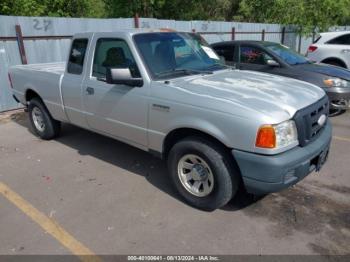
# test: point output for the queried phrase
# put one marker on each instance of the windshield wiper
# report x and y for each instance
(182, 71)
(303, 63)
(219, 66)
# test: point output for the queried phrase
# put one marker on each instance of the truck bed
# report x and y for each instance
(55, 68)
(44, 79)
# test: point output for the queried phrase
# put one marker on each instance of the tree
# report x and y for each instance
(196, 9)
(59, 8)
(307, 15)
(21, 7)
(77, 8)
(174, 9)
(128, 8)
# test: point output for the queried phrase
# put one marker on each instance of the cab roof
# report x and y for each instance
(131, 31)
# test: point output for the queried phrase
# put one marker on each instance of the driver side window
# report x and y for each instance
(113, 53)
(252, 55)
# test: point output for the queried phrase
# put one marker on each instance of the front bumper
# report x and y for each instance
(271, 173)
(339, 97)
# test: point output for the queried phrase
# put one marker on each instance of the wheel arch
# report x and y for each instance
(183, 132)
(335, 59)
(30, 94)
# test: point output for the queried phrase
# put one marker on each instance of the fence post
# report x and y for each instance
(283, 35)
(20, 43)
(136, 21)
(233, 33)
(299, 45)
(263, 35)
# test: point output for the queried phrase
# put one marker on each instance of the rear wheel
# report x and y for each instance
(202, 173)
(334, 63)
(43, 124)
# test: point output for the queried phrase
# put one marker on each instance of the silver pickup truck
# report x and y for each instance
(169, 94)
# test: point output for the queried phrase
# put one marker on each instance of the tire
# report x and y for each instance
(334, 63)
(217, 167)
(335, 112)
(42, 122)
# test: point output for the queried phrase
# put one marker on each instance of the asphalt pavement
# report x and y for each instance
(83, 192)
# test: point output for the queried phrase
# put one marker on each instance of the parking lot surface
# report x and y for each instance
(103, 196)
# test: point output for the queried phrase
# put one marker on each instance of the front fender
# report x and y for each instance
(232, 131)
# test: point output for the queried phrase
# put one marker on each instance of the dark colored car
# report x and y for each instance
(278, 59)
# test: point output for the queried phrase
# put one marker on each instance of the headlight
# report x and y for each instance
(277, 136)
(335, 82)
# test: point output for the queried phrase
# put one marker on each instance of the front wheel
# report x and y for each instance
(42, 122)
(203, 173)
(337, 108)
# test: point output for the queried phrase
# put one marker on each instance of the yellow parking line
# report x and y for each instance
(341, 138)
(49, 225)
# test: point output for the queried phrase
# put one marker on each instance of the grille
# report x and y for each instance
(307, 118)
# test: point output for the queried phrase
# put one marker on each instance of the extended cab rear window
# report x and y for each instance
(76, 56)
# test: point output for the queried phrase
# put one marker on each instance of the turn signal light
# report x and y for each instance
(312, 48)
(328, 82)
(266, 137)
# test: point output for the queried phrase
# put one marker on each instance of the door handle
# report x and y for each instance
(89, 91)
(345, 51)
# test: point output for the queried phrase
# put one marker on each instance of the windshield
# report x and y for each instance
(174, 54)
(288, 55)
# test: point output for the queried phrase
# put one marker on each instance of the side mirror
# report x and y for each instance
(122, 76)
(272, 63)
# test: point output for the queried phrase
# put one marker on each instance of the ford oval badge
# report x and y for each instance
(322, 120)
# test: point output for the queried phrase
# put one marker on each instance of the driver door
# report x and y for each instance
(116, 110)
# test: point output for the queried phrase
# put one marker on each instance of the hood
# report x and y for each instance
(271, 95)
(325, 69)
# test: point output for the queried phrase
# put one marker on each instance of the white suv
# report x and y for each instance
(331, 48)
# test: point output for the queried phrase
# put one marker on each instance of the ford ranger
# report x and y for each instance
(168, 93)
